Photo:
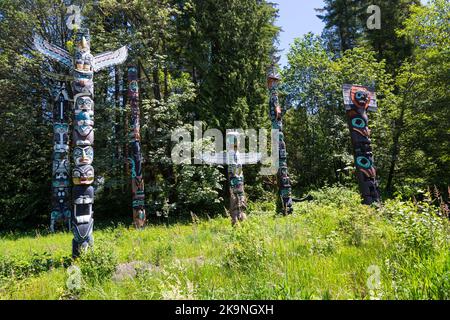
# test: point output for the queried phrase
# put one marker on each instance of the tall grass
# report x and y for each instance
(331, 248)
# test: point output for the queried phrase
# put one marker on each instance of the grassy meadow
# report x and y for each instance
(331, 248)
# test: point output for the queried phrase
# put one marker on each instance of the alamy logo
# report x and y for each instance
(74, 19)
(187, 151)
(374, 282)
(374, 21)
(73, 282)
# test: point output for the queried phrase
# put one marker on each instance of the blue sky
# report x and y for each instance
(297, 17)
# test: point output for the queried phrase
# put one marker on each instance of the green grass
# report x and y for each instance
(330, 248)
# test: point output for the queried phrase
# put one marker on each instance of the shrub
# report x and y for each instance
(324, 245)
(98, 263)
(418, 227)
(337, 196)
(356, 226)
(162, 251)
(23, 267)
(247, 250)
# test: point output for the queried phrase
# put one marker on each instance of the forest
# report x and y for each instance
(208, 61)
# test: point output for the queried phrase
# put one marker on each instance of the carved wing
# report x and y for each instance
(57, 77)
(53, 52)
(224, 158)
(110, 58)
(216, 159)
(250, 158)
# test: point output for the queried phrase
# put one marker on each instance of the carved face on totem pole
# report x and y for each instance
(83, 155)
(84, 60)
(360, 97)
(135, 134)
(83, 200)
(61, 137)
(139, 217)
(235, 172)
(83, 176)
(61, 173)
(84, 104)
(83, 135)
(60, 195)
(134, 89)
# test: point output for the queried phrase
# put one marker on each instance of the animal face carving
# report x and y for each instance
(83, 128)
(83, 155)
(84, 104)
(61, 137)
(83, 175)
(83, 82)
(139, 217)
(360, 97)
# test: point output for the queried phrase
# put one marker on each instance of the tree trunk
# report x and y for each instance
(395, 148)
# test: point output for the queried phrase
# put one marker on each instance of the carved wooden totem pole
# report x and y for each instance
(136, 159)
(82, 65)
(276, 116)
(61, 212)
(235, 162)
(358, 100)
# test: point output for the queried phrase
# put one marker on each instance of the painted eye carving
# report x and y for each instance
(358, 123)
(361, 95)
(363, 162)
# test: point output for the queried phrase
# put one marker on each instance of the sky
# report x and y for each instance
(297, 17)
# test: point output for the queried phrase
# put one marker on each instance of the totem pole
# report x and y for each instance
(235, 161)
(276, 116)
(61, 165)
(358, 100)
(136, 159)
(82, 65)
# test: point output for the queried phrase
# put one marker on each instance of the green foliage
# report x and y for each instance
(23, 267)
(317, 132)
(98, 264)
(336, 196)
(325, 251)
(189, 70)
(419, 227)
(247, 249)
(407, 62)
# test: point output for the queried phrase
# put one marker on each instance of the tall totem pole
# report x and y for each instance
(235, 161)
(61, 212)
(82, 65)
(358, 100)
(276, 116)
(136, 159)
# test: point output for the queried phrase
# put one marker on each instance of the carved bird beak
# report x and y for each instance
(84, 43)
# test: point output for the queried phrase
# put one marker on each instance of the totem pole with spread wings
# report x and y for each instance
(82, 65)
(235, 161)
(276, 116)
(358, 100)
